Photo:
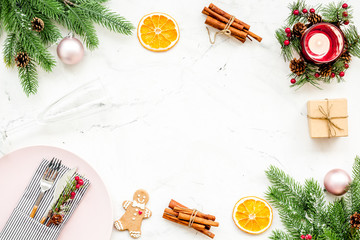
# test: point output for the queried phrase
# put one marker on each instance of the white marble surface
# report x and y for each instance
(199, 123)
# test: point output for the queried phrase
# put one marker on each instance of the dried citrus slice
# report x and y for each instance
(158, 32)
(252, 215)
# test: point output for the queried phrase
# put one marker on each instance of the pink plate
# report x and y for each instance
(93, 218)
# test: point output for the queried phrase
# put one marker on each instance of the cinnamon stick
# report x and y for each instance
(220, 25)
(228, 16)
(174, 203)
(174, 219)
(209, 12)
(189, 212)
(258, 38)
(183, 216)
(195, 225)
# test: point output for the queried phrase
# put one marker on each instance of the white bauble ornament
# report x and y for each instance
(70, 50)
(337, 182)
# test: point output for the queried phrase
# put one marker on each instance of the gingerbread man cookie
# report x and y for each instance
(135, 213)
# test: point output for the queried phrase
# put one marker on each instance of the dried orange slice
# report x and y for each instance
(252, 215)
(158, 32)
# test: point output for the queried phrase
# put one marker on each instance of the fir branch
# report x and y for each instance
(28, 77)
(50, 8)
(78, 22)
(354, 191)
(9, 50)
(323, 222)
(103, 16)
(338, 220)
(333, 12)
(286, 51)
(279, 235)
(352, 38)
(292, 19)
(314, 200)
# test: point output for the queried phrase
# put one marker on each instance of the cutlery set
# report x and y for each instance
(47, 182)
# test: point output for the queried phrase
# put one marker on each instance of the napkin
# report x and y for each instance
(21, 226)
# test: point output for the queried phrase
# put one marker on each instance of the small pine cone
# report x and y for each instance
(22, 59)
(56, 219)
(346, 57)
(37, 24)
(314, 18)
(298, 29)
(355, 220)
(297, 66)
(325, 70)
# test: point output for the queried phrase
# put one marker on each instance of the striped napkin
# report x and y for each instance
(21, 226)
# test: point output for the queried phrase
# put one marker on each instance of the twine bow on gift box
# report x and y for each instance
(326, 116)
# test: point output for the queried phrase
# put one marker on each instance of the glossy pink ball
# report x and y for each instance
(337, 181)
(70, 50)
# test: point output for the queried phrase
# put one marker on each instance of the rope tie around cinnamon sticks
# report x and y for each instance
(326, 116)
(226, 31)
(227, 24)
(191, 218)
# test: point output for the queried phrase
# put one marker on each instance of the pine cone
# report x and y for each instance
(346, 57)
(355, 220)
(37, 24)
(298, 29)
(22, 59)
(55, 219)
(314, 18)
(325, 70)
(297, 66)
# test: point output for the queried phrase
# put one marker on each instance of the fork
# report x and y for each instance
(46, 182)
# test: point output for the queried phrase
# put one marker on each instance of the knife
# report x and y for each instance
(60, 185)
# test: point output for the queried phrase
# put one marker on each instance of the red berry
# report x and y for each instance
(304, 10)
(346, 22)
(302, 237)
(341, 74)
(77, 186)
(287, 30)
(345, 14)
(293, 81)
(296, 12)
(308, 236)
(317, 75)
(72, 194)
(346, 65)
(312, 10)
(333, 75)
(72, 197)
(286, 42)
(288, 35)
(345, 5)
(77, 178)
(80, 182)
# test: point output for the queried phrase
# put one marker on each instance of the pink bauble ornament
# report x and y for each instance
(337, 181)
(70, 50)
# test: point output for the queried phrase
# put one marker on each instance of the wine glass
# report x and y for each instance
(85, 100)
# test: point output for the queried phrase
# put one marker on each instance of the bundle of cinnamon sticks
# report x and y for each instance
(218, 19)
(180, 214)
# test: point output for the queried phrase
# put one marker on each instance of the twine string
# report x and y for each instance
(226, 31)
(326, 116)
(192, 217)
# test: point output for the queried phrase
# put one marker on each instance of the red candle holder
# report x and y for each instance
(322, 43)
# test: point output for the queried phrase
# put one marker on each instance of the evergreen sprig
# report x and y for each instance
(331, 13)
(303, 209)
(78, 16)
